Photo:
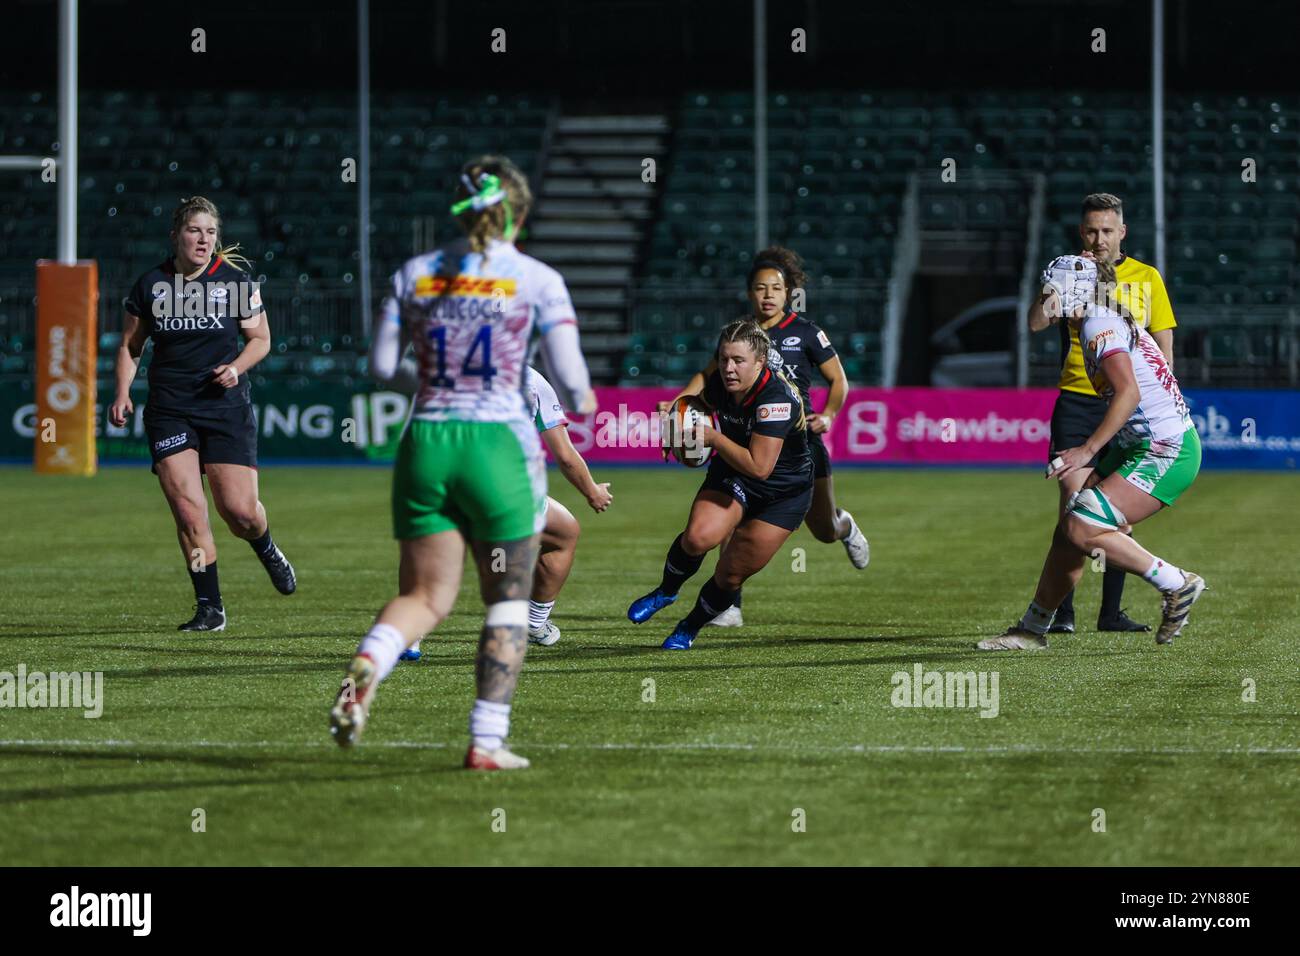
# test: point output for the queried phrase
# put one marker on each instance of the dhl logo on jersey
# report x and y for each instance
(463, 286)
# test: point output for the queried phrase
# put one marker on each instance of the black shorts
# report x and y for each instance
(1074, 419)
(821, 455)
(785, 511)
(224, 434)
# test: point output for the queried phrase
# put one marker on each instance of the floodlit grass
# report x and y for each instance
(790, 713)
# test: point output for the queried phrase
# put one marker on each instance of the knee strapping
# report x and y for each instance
(507, 614)
(1092, 506)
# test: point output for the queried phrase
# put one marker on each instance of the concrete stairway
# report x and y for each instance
(591, 221)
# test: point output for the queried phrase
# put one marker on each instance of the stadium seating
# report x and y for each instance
(273, 163)
(838, 168)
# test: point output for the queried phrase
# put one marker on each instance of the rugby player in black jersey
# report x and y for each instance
(801, 347)
(758, 488)
(198, 418)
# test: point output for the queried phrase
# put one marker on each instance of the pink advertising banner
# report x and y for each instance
(978, 426)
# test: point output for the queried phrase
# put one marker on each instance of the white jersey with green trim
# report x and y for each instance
(543, 402)
(469, 316)
(1161, 413)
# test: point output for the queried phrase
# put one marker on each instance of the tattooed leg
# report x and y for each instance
(505, 571)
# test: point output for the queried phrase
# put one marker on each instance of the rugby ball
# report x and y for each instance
(681, 422)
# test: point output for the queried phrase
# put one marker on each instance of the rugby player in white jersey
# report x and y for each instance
(1154, 458)
(559, 542)
(469, 469)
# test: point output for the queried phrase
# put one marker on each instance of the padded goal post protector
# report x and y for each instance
(67, 301)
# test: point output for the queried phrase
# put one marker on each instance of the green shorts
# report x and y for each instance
(1163, 469)
(485, 479)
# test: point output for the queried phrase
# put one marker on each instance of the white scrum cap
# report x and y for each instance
(1074, 278)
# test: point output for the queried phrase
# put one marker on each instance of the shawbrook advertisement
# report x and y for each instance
(336, 422)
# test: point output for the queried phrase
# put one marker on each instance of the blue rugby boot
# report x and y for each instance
(644, 608)
(681, 638)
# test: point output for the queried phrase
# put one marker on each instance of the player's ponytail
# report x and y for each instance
(492, 200)
(1106, 295)
(784, 372)
(195, 205)
(233, 256)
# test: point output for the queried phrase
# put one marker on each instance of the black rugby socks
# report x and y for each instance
(263, 547)
(678, 567)
(712, 601)
(206, 588)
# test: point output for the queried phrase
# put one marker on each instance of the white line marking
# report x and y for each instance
(1008, 749)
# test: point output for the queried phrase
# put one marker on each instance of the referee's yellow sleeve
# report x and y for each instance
(1161, 314)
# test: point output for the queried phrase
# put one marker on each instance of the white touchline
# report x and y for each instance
(845, 748)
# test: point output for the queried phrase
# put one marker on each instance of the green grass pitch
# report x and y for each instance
(773, 744)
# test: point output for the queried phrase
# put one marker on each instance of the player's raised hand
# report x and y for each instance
(601, 498)
(227, 376)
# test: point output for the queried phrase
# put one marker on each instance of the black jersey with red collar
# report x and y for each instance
(771, 407)
(195, 327)
(803, 348)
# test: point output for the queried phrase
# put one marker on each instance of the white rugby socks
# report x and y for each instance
(489, 724)
(1037, 619)
(539, 612)
(1164, 576)
(383, 645)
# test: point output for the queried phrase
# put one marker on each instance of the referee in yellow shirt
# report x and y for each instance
(1079, 410)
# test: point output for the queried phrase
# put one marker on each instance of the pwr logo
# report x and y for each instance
(774, 412)
(75, 909)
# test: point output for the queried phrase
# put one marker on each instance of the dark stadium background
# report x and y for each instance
(659, 47)
(261, 121)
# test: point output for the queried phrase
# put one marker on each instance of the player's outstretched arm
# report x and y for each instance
(575, 469)
(566, 368)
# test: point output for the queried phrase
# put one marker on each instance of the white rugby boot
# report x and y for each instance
(1014, 638)
(1177, 606)
(351, 708)
(856, 545)
(546, 635)
(731, 617)
(478, 758)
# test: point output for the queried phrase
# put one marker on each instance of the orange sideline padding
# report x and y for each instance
(67, 299)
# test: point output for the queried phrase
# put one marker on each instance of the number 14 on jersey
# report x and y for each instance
(480, 352)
